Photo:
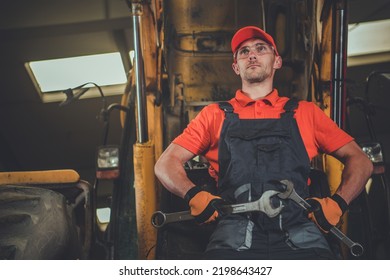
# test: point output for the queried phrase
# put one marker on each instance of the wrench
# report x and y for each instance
(355, 248)
(263, 204)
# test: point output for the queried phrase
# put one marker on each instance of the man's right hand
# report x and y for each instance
(203, 205)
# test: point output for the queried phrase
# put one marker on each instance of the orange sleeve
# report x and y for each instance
(319, 132)
(200, 133)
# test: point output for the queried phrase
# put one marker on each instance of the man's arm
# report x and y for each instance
(357, 170)
(327, 211)
(170, 171)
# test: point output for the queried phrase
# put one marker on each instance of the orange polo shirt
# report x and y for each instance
(318, 131)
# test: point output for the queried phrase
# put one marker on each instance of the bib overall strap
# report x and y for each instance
(227, 108)
(289, 107)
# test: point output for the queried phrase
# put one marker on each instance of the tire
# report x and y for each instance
(35, 224)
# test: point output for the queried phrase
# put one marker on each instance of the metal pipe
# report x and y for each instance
(142, 124)
(339, 61)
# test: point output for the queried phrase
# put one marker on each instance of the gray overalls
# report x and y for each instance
(253, 154)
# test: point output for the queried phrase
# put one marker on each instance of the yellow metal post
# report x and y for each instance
(145, 198)
(146, 82)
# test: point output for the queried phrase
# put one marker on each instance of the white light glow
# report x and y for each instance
(103, 214)
(59, 74)
(369, 38)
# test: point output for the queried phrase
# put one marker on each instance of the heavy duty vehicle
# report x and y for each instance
(182, 61)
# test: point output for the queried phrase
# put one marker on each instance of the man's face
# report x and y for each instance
(255, 61)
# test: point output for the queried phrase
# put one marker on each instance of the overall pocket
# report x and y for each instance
(233, 232)
(268, 156)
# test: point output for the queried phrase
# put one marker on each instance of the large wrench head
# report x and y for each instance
(289, 189)
(266, 205)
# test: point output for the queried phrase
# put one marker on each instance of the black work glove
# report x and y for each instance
(327, 212)
(203, 205)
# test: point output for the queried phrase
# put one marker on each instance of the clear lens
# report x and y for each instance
(258, 49)
(108, 157)
(103, 215)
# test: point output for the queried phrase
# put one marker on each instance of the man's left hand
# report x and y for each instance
(326, 212)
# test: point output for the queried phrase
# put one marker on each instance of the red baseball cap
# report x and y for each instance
(250, 32)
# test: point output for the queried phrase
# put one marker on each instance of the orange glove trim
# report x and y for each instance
(331, 210)
(200, 201)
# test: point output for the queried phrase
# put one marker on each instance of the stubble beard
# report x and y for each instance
(255, 75)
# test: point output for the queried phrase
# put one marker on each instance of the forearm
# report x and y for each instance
(174, 179)
(170, 171)
(357, 170)
(353, 180)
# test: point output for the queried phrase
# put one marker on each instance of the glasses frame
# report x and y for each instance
(253, 48)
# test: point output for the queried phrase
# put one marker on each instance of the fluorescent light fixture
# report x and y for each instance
(53, 76)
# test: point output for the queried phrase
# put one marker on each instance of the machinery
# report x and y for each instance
(182, 61)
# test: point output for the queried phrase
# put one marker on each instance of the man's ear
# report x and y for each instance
(278, 62)
(235, 68)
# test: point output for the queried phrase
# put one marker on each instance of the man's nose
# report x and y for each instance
(252, 55)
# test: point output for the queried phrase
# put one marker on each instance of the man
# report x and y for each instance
(252, 142)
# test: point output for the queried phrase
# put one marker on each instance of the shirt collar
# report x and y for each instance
(244, 100)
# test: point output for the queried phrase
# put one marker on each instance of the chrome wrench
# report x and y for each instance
(263, 204)
(355, 248)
